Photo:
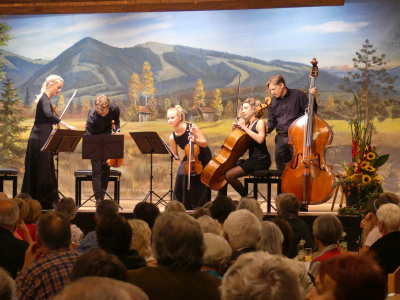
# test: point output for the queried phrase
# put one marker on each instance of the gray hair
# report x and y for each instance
(174, 206)
(260, 276)
(173, 231)
(390, 215)
(217, 250)
(67, 207)
(9, 213)
(251, 205)
(101, 288)
(7, 286)
(328, 229)
(271, 238)
(54, 230)
(287, 203)
(141, 237)
(209, 225)
(242, 228)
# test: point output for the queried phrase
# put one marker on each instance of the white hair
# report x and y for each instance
(51, 79)
(251, 205)
(9, 213)
(7, 286)
(141, 237)
(260, 276)
(217, 250)
(390, 215)
(209, 225)
(271, 238)
(174, 206)
(242, 228)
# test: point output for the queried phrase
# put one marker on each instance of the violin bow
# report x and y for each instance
(190, 155)
(237, 102)
(69, 102)
(119, 129)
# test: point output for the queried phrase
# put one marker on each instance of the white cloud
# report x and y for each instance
(335, 26)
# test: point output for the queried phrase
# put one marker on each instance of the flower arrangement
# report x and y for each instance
(361, 175)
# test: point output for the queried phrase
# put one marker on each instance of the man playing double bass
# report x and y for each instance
(99, 123)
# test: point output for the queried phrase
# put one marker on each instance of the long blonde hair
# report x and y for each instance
(51, 79)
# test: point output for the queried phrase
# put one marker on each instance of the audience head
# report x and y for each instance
(221, 207)
(106, 207)
(9, 213)
(67, 207)
(201, 211)
(217, 251)
(100, 288)
(375, 202)
(23, 209)
(147, 212)
(53, 231)
(208, 204)
(114, 233)
(174, 206)
(388, 218)
(260, 276)
(98, 263)
(7, 286)
(34, 211)
(287, 203)
(271, 238)
(141, 237)
(251, 205)
(174, 231)
(209, 225)
(327, 230)
(3, 196)
(349, 277)
(242, 229)
(23, 196)
(287, 232)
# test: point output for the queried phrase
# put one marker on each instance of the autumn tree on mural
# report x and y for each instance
(10, 126)
(134, 88)
(86, 106)
(229, 109)
(199, 95)
(216, 102)
(147, 84)
(61, 104)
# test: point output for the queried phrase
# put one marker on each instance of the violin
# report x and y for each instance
(192, 166)
(307, 175)
(114, 162)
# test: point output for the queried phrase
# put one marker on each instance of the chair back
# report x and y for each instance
(394, 282)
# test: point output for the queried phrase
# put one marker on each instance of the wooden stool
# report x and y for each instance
(264, 176)
(9, 174)
(86, 175)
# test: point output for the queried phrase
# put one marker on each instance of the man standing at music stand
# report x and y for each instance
(99, 122)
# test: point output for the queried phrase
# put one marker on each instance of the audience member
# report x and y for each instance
(34, 213)
(115, 237)
(178, 274)
(101, 288)
(7, 286)
(242, 230)
(174, 206)
(141, 239)
(98, 263)
(201, 211)
(67, 207)
(23, 211)
(287, 232)
(260, 276)
(221, 207)
(3, 196)
(90, 241)
(147, 212)
(12, 250)
(370, 222)
(386, 249)
(43, 278)
(216, 255)
(288, 208)
(349, 277)
(327, 232)
(209, 225)
(251, 205)
(23, 196)
(208, 204)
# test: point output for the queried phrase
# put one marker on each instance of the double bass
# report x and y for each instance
(307, 175)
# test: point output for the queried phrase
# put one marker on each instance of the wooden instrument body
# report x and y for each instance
(195, 163)
(320, 175)
(114, 162)
(234, 147)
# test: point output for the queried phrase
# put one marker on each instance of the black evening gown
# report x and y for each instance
(199, 194)
(40, 178)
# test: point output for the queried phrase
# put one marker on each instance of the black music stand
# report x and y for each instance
(102, 147)
(149, 143)
(61, 140)
(171, 191)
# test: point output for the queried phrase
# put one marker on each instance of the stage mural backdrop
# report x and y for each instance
(194, 59)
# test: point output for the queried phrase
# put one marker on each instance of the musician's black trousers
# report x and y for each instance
(283, 152)
(97, 166)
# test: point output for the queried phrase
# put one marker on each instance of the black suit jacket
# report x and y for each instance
(386, 251)
(12, 252)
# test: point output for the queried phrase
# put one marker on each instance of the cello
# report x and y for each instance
(307, 175)
(193, 165)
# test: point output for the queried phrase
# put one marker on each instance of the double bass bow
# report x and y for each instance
(193, 165)
(307, 175)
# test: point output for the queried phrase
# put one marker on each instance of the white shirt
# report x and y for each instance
(372, 237)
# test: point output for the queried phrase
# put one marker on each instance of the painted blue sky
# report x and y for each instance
(331, 34)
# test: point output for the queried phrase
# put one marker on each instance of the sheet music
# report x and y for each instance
(170, 151)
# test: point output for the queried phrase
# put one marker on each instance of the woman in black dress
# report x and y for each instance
(199, 193)
(259, 158)
(39, 178)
